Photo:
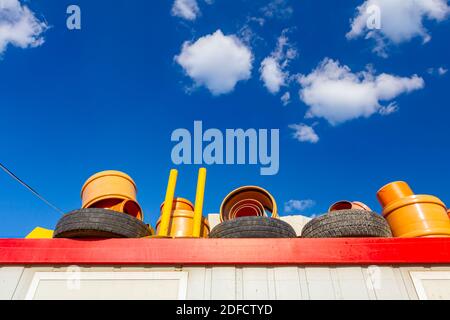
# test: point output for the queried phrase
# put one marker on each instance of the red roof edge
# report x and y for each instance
(354, 251)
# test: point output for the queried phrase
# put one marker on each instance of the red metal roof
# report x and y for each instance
(362, 251)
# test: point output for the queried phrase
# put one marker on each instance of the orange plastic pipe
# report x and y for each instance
(246, 208)
(393, 191)
(181, 223)
(345, 205)
(247, 200)
(112, 190)
(412, 215)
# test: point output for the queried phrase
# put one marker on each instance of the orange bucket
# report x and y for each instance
(112, 190)
(248, 201)
(412, 215)
(182, 220)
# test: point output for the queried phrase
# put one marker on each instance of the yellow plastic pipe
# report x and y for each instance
(198, 208)
(168, 202)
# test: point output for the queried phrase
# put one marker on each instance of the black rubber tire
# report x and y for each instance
(100, 223)
(253, 227)
(347, 224)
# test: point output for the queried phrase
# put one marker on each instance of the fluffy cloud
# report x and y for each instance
(272, 75)
(186, 9)
(216, 61)
(286, 98)
(335, 93)
(298, 205)
(277, 9)
(442, 71)
(389, 109)
(400, 20)
(304, 133)
(437, 71)
(19, 26)
(272, 69)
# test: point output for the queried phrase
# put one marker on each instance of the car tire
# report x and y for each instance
(100, 223)
(253, 227)
(347, 224)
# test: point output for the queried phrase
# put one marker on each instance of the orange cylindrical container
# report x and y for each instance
(347, 205)
(248, 201)
(412, 215)
(113, 190)
(392, 192)
(182, 220)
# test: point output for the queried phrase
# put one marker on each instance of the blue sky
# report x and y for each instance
(108, 96)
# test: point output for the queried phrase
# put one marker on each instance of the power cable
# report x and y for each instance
(23, 183)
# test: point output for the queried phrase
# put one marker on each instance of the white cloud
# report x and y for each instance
(19, 26)
(286, 98)
(335, 93)
(442, 71)
(389, 109)
(272, 75)
(186, 9)
(216, 61)
(400, 20)
(437, 71)
(277, 9)
(298, 205)
(304, 133)
(272, 69)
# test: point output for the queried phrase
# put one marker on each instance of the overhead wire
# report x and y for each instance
(33, 191)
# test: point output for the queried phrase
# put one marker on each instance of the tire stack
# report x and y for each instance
(109, 210)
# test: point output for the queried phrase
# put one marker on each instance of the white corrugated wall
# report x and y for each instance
(303, 282)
